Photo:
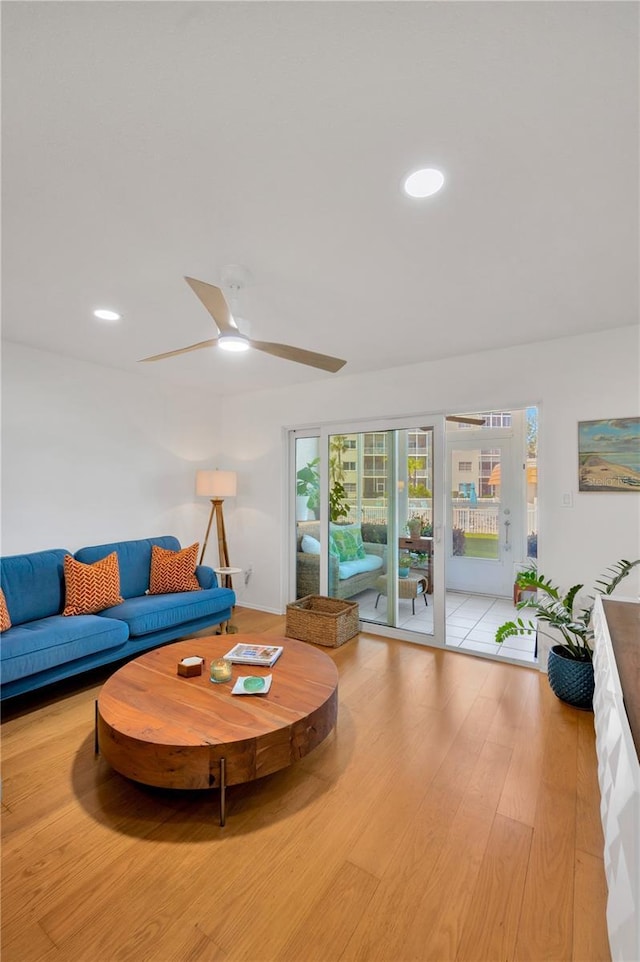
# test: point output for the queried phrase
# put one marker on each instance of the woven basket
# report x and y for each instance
(322, 621)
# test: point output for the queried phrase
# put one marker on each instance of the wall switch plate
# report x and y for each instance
(567, 500)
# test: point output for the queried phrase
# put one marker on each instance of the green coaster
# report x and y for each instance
(253, 684)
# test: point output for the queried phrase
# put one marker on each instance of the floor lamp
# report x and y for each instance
(217, 485)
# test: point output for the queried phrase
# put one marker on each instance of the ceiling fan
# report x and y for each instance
(230, 337)
(461, 419)
(464, 419)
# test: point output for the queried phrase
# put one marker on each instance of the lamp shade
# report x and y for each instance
(216, 484)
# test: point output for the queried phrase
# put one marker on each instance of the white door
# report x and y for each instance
(486, 497)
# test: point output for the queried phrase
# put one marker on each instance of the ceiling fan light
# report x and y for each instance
(233, 342)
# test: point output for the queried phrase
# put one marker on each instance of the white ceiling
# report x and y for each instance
(143, 141)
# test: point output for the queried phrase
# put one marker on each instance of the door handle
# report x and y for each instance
(507, 546)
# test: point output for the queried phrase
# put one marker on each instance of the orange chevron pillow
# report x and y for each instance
(91, 588)
(5, 620)
(173, 570)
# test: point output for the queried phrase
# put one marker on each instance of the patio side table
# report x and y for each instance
(420, 546)
(407, 588)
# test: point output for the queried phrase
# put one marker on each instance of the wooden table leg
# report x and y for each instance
(223, 792)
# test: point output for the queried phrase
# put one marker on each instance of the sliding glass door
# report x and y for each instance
(492, 494)
(374, 499)
(370, 528)
(306, 527)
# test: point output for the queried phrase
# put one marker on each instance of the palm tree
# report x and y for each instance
(337, 447)
(413, 466)
(338, 501)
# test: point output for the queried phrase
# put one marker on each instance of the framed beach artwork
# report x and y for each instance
(609, 455)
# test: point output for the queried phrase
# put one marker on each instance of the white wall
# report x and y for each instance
(572, 379)
(91, 454)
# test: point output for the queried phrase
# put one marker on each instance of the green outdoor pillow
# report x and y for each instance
(357, 534)
(349, 543)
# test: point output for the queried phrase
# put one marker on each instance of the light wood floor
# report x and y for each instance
(453, 815)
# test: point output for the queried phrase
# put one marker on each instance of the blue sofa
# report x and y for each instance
(42, 645)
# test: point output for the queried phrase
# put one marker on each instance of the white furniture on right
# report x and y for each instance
(618, 772)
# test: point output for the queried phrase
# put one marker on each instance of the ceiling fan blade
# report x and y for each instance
(459, 419)
(214, 301)
(323, 361)
(181, 350)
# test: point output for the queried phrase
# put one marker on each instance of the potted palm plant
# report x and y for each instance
(338, 503)
(570, 665)
(308, 490)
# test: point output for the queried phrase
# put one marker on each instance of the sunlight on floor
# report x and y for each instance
(471, 622)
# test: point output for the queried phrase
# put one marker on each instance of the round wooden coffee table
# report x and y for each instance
(162, 729)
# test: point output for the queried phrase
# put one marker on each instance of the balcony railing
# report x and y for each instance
(478, 519)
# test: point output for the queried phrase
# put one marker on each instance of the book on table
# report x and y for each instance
(265, 655)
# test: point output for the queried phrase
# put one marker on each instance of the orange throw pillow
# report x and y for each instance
(173, 570)
(91, 588)
(5, 620)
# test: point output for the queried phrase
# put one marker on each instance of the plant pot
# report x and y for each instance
(403, 572)
(571, 680)
(302, 510)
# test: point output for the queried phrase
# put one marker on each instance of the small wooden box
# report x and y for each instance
(323, 621)
(190, 670)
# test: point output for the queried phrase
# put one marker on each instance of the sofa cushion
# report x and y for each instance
(370, 562)
(5, 618)
(173, 570)
(206, 576)
(45, 642)
(312, 528)
(310, 545)
(151, 613)
(33, 584)
(309, 532)
(91, 587)
(134, 560)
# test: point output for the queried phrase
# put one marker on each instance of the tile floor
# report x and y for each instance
(471, 622)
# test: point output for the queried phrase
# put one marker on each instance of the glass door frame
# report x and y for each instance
(435, 423)
(512, 509)
(291, 436)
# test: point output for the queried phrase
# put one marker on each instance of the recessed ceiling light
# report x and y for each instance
(104, 315)
(424, 183)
